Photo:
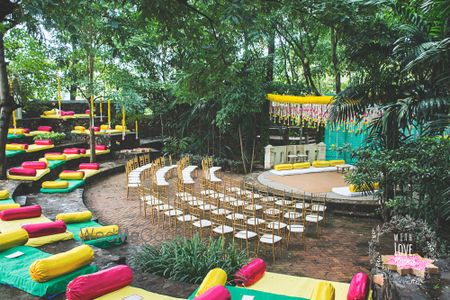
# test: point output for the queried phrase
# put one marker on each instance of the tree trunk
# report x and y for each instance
(241, 143)
(73, 92)
(334, 60)
(6, 108)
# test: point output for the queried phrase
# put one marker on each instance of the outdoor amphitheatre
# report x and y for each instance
(216, 150)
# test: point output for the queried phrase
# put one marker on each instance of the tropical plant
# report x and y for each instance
(189, 260)
(56, 137)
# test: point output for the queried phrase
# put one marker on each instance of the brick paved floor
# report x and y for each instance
(339, 252)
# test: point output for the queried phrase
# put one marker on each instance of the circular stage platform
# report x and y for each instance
(307, 184)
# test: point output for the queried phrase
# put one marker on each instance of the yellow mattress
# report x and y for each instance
(35, 148)
(89, 173)
(72, 156)
(295, 286)
(48, 239)
(97, 152)
(128, 291)
(39, 175)
(16, 224)
(57, 117)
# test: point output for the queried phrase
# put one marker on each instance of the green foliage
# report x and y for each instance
(188, 260)
(56, 137)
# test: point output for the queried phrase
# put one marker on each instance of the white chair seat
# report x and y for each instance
(223, 229)
(236, 216)
(173, 213)
(207, 207)
(254, 207)
(189, 198)
(296, 228)
(283, 202)
(268, 199)
(148, 198)
(313, 218)
(182, 194)
(195, 203)
(202, 223)
(245, 234)
(301, 206)
(272, 211)
(187, 218)
(238, 203)
(233, 189)
(270, 239)
(163, 207)
(257, 196)
(220, 211)
(134, 185)
(207, 192)
(227, 199)
(318, 207)
(154, 202)
(255, 221)
(276, 225)
(292, 215)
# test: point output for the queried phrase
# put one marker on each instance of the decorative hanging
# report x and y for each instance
(109, 114)
(59, 95)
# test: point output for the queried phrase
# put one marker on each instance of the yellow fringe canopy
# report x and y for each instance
(289, 99)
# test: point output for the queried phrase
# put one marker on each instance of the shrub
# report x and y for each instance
(56, 137)
(188, 260)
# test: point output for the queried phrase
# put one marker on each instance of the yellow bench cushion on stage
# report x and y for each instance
(74, 217)
(14, 147)
(18, 131)
(4, 194)
(129, 291)
(336, 162)
(283, 167)
(13, 238)
(364, 188)
(321, 164)
(8, 206)
(323, 291)
(301, 165)
(55, 184)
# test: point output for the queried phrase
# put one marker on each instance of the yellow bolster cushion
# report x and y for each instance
(214, 277)
(55, 184)
(14, 238)
(80, 128)
(18, 131)
(336, 162)
(363, 188)
(75, 217)
(71, 175)
(323, 291)
(45, 269)
(92, 233)
(321, 164)
(8, 206)
(4, 194)
(50, 112)
(302, 165)
(120, 127)
(14, 147)
(104, 127)
(55, 157)
(282, 167)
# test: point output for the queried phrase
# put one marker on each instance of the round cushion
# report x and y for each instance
(17, 131)
(14, 147)
(96, 128)
(75, 217)
(55, 184)
(82, 150)
(22, 172)
(104, 127)
(43, 142)
(214, 277)
(37, 165)
(120, 127)
(9, 206)
(101, 147)
(218, 292)
(67, 113)
(45, 269)
(74, 175)
(301, 165)
(23, 212)
(71, 151)
(43, 229)
(50, 112)
(4, 194)
(80, 128)
(54, 156)
(45, 128)
(250, 273)
(12, 239)
(321, 164)
(93, 233)
(89, 166)
(97, 284)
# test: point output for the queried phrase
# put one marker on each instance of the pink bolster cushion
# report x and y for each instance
(96, 128)
(45, 128)
(250, 273)
(71, 151)
(37, 165)
(89, 166)
(43, 142)
(67, 113)
(25, 146)
(359, 287)
(26, 130)
(101, 147)
(22, 172)
(23, 212)
(52, 154)
(82, 150)
(94, 285)
(87, 111)
(43, 229)
(217, 292)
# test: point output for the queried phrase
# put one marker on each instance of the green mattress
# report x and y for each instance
(73, 184)
(11, 153)
(55, 163)
(237, 293)
(104, 242)
(7, 201)
(15, 272)
(15, 136)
